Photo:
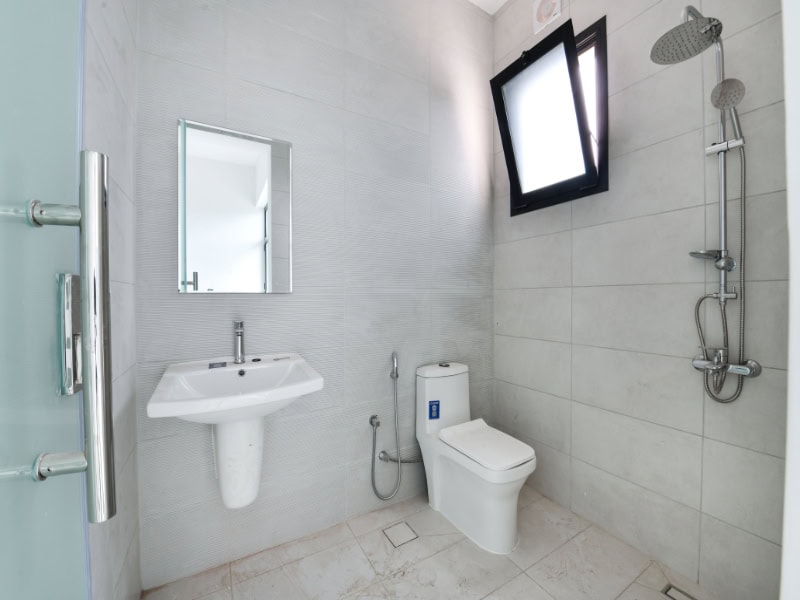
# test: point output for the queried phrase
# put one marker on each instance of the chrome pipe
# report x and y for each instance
(96, 338)
(53, 214)
(723, 186)
(62, 463)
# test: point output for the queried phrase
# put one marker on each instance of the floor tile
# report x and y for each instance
(334, 573)
(192, 588)
(272, 558)
(592, 566)
(461, 572)
(275, 584)
(378, 519)
(657, 576)
(543, 527)
(373, 592)
(639, 592)
(521, 587)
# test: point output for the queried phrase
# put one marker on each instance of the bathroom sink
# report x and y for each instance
(218, 391)
(233, 399)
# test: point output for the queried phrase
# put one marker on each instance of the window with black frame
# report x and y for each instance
(552, 111)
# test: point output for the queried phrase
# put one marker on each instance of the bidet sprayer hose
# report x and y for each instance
(375, 424)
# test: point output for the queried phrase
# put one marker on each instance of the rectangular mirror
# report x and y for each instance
(234, 211)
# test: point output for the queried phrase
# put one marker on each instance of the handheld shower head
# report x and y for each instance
(727, 95)
(686, 40)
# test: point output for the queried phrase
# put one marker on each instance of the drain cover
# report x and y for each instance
(400, 534)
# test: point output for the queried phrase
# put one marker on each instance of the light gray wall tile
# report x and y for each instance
(552, 475)
(541, 222)
(660, 389)
(631, 64)
(654, 189)
(533, 414)
(738, 565)
(744, 489)
(539, 313)
(764, 130)
(660, 527)
(766, 328)
(658, 458)
(757, 419)
(617, 13)
(533, 262)
(651, 318)
(535, 364)
(663, 106)
(754, 56)
(628, 252)
(740, 15)
(767, 252)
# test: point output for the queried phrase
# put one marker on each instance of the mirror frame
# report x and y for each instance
(183, 283)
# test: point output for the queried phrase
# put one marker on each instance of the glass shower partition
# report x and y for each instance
(43, 546)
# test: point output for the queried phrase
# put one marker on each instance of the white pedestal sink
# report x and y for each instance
(234, 399)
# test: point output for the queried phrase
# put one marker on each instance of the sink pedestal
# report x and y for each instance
(239, 448)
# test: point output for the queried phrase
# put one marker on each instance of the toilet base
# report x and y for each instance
(486, 512)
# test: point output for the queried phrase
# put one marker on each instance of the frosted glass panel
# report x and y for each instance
(43, 541)
(542, 122)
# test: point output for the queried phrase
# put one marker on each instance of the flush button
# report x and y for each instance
(444, 364)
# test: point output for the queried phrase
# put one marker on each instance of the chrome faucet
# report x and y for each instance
(238, 342)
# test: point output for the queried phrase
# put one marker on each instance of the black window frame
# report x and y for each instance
(595, 178)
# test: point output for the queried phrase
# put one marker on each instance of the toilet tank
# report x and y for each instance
(442, 396)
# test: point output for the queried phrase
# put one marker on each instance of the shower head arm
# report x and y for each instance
(690, 12)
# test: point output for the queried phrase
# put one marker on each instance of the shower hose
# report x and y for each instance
(713, 382)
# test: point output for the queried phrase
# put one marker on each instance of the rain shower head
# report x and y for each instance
(686, 40)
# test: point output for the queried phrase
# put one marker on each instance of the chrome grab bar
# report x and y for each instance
(92, 218)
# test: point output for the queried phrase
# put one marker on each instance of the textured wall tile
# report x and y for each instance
(322, 21)
(380, 93)
(269, 54)
(185, 31)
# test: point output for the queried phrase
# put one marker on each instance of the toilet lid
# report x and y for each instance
(486, 445)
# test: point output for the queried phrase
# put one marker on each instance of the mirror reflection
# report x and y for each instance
(234, 212)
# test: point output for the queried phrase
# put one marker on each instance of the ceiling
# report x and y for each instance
(490, 6)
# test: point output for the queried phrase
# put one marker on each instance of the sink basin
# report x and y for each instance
(218, 391)
(233, 399)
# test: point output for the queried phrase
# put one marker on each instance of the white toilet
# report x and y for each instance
(474, 471)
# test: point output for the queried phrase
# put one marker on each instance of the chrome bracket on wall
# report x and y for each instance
(86, 343)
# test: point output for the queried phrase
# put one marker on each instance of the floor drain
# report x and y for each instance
(676, 594)
(400, 534)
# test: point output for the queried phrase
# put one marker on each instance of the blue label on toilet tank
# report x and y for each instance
(433, 409)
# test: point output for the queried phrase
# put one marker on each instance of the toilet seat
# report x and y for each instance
(487, 446)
